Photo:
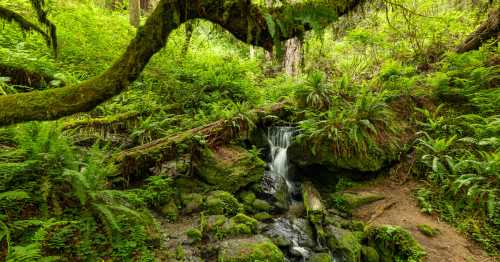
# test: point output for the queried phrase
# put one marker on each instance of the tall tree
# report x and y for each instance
(246, 21)
(134, 12)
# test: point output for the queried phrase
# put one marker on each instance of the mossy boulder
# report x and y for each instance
(394, 244)
(320, 257)
(229, 168)
(194, 234)
(192, 202)
(240, 224)
(263, 216)
(256, 248)
(188, 185)
(247, 197)
(222, 203)
(369, 254)
(261, 205)
(170, 211)
(347, 242)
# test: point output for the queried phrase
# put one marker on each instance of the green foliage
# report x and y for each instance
(394, 243)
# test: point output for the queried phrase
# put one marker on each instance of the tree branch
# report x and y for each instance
(25, 25)
(247, 22)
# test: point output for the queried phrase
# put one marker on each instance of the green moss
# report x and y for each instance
(346, 202)
(195, 234)
(247, 197)
(192, 202)
(251, 249)
(394, 243)
(239, 225)
(369, 254)
(321, 257)
(222, 203)
(229, 168)
(261, 205)
(263, 216)
(347, 242)
(170, 211)
(428, 230)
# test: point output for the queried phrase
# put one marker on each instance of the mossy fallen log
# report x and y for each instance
(25, 77)
(139, 160)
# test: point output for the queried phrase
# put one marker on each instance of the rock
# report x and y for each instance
(247, 197)
(263, 216)
(215, 221)
(369, 254)
(170, 211)
(194, 234)
(229, 168)
(346, 202)
(315, 210)
(240, 224)
(296, 234)
(321, 257)
(428, 230)
(256, 248)
(394, 244)
(222, 203)
(346, 241)
(261, 205)
(274, 190)
(192, 202)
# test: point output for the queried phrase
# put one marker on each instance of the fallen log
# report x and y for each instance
(487, 30)
(138, 161)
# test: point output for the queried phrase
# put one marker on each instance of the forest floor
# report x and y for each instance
(399, 208)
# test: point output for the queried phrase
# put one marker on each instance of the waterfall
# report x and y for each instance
(279, 139)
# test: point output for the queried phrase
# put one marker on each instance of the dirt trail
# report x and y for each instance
(400, 208)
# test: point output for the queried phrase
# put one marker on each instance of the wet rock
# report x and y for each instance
(229, 168)
(275, 191)
(256, 248)
(294, 234)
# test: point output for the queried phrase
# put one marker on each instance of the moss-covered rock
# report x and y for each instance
(240, 224)
(312, 202)
(263, 216)
(321, 257)
(369, 254)
(187, 185)
(222, 203)
(170, 211)
(349, 243)
(194, 234)
(192, 202)
(346, 202)
(257, 248)
(428, 230)
(394, 244)
(247, 197)
(229, 168)
(261, 205)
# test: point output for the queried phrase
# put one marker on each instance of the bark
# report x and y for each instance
(187, 39)
(292, 60)
(241, 18)
(25, 25)
(134, 12)
(25, 77)
(487, 30)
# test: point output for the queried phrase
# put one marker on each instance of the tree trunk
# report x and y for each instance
(134, 12)
(169, 15)
(487, 30)
(292, 60)
(187, 40)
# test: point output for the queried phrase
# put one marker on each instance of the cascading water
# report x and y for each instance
(279, 139)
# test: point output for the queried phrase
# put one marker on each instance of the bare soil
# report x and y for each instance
(399, 208)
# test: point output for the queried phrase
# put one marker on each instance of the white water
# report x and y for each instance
(279, 139)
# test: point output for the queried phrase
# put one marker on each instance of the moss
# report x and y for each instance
(261, 205)
(394, 243)
(346, 202)
(321, 257)
(369, 254)
(222, 203)
(428, 230)
(239, 225)
(247, 197)
(192, 202)
(170, 211)
(195, 234)
(229, 168)
(250, 249)
(263, 216)
(347, 242)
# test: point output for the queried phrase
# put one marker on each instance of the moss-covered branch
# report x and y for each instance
(244, 20)
(487, 30)
(26, 77)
